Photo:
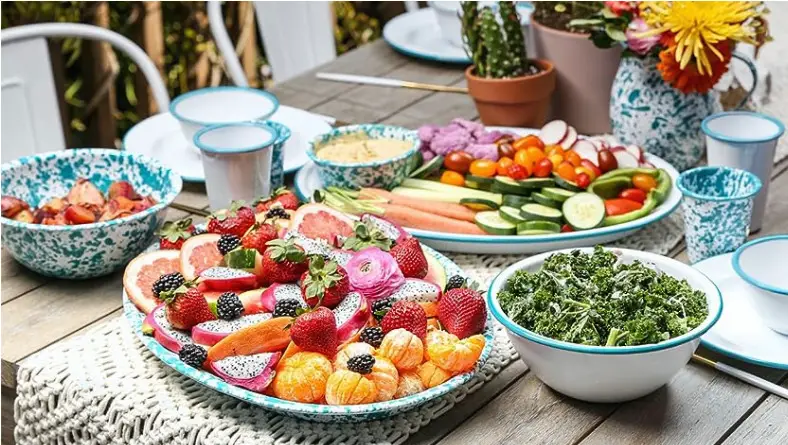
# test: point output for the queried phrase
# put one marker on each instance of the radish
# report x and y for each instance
(635, 151)
(553, 132)
(598, 144)
(617, 148)
(586, 150)
(624, 158)
(569, 139)
(646, 164)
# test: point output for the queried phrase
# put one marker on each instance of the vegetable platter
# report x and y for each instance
(516, 190)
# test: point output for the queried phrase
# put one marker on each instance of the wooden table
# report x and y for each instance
(699, 406)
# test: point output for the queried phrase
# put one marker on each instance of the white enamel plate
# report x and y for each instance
(417, 34)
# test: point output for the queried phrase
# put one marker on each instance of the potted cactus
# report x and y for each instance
(507, 87)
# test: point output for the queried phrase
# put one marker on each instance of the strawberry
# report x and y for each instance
(407, 315)
(462, 312)
(325, 283)
(234, 221)
(410, 258)
(173, 233)
(186, 306)
(287, 199)
(316, 331)
(258, 236)
(283, 262)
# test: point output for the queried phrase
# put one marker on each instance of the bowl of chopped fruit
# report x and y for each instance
(83, 213)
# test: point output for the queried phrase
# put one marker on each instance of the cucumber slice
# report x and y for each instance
(545, 226)
(516, 201)
(545, 201)
(539, 212)
(428, 168)
(557, 194)
(505, 184)
(584, 211)
(536, 183)
(491, 222)
(511, 214)
(534, 232)
(479, 204)
(446, 189)
(564, 184)
(478, 182)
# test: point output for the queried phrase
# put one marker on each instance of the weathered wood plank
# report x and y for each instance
(437, 108)
(296, 98)
(17, 279)
(765, 426)
(350, 112)
(193, 195)
(7, 416)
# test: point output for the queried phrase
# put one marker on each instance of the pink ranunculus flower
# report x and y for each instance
(374, 273)
(636, 41)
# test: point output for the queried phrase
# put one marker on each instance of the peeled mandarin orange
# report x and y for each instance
(431, 375)
(435, 338)
(403, 348)
(409, 384)
(349, 388)
(386, 378)
(302, 377)
(459, 356)
(351, 350)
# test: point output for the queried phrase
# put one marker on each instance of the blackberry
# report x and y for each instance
(193, 355)
(286, 308)
(229, 306)
(372, 336)
(454, 282)
(380, 307)
(227, 243)
(167, 282)
(277, 212)
(361, 364)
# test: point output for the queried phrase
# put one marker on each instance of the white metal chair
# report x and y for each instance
(31, 118)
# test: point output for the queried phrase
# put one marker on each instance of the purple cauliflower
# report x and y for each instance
(472, 127)
(489, 137)
(427, 155)
(426, 132)
(483, 151)
(448, 140)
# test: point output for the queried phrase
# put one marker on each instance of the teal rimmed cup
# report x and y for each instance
(383, 173)
(717, 209)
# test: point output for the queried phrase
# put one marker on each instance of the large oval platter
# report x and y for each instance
(308, 411)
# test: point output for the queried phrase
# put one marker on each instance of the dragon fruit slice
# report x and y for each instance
(417, 290)
(209, 333)
(156, 324)
(253, 372)
(352, 315)
(225, 278)
(391, 230)
(321, 247)
(279, 292)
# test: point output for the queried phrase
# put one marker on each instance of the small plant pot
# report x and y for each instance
(518, 102)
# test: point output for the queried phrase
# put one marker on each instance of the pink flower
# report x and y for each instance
(374, 274)
(619, 8)
(636, 41)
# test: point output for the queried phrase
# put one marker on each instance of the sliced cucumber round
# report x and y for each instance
(564, 184)
(428, 168)
(557, 194)
(491, 222)
(511, 214)
(478, 182)
(546, 226)
(534, 232)
(539, 212)
(479, 204)
(536, 183)
(505, 184)
(584, 211)
(545, 201)
(516, 201)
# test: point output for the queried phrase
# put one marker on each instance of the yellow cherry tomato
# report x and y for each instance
(573, 158)
(556, 159)
(528, 141)
(453, 178)
(535, 154)
(644, 182)
(521, 158)
(554, 150)
(591, 174)
(566, 171)
(484, 168)
(503, 165)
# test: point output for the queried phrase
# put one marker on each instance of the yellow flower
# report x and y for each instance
(698, 26)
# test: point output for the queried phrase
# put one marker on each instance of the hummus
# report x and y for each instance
(359, 148)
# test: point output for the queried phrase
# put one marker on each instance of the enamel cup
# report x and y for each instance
(237, 159)
(744, 140)
(761, 263)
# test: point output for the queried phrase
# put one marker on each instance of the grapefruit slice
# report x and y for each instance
(199, 253)
(436, 273)
(320, 221)
(143, 271)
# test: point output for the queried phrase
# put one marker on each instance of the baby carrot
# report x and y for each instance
(446, 209)
(417, 219)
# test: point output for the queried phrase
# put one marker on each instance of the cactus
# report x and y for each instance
(470, 36)
(497, 51)
(514, 38)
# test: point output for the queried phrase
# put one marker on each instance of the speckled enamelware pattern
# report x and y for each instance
(89, 250)
(278, 155)
(386, 173)
(717, 208)
(308, 411)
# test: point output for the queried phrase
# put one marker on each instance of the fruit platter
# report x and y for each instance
(306, 311)
(479, 189)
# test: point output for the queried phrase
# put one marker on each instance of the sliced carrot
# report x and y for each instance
(267, 336)
(430, 308)
(417, 219)
(447, 209)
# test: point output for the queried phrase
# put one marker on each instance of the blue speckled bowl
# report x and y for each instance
(385, 173)
(278, 155)
(88, 250)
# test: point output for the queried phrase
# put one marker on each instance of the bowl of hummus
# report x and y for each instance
(368, 155)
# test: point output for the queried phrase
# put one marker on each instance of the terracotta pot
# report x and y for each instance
(518, 102)
(585, 76)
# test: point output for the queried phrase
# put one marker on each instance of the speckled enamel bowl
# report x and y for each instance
(384, 173)
(88, 250)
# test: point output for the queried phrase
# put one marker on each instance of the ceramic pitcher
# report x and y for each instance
(647, 111)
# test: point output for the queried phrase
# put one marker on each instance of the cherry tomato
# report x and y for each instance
(452, 178)
(620, 206)
(606, 160)
(458, 161)
(521, 158)
(517, 172)
(566, 228)
(484, 168)
(528, 141)
(506, 150)
(535, 154)
(573, 158)
(586, 170)
(505, 139)
(566, 171)
(543, 168)
(634, 195)
(554, 150)
(503, 164)
(583, 180)
(644, 182)
(556, 159)
(590, 165)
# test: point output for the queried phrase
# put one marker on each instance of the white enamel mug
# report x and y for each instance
(237, 161)
(745, 140)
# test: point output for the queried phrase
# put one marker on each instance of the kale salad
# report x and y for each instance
(593, 299)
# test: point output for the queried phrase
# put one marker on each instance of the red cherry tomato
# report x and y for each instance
(566, 228)
(583, 180)
(620, 206)
(517, 172)
(590, 165)
(607, 161)
(644, 182)
(543, 168)
(636, 195)
(506, 150)
(458, 161)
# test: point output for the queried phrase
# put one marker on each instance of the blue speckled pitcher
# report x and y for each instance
(646, 111)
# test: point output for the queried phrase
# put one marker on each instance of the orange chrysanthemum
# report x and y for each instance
(689, 79)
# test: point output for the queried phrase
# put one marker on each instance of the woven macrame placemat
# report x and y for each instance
(105, 387)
